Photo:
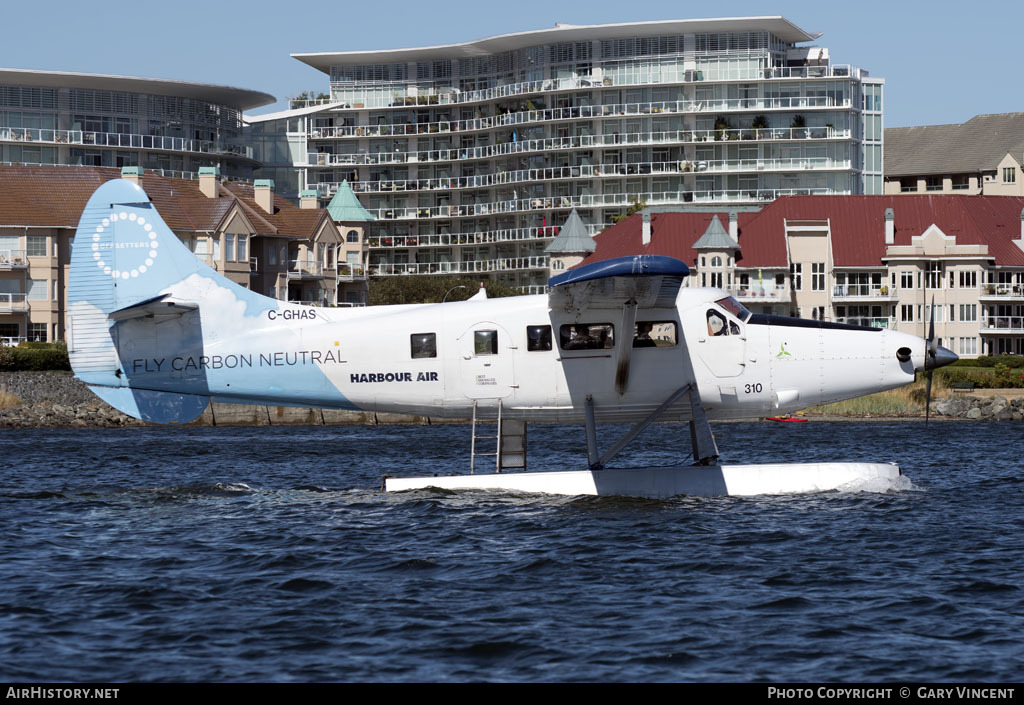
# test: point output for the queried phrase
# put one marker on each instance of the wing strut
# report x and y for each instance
(705, 451)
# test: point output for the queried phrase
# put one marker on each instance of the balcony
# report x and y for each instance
(348, 273)
(11, 342)
(761, 294)
(122, 140)
(614, 140)
(581, 112)
(411, 96)
(13, 259)
(851, 292)
(305, 269)
(498, 264)
(13, 303)
(1000, 324)
(621, 200)
(868, 321)
(1002, 292)
(476, 238)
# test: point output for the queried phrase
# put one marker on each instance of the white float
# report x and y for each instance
(662, 482)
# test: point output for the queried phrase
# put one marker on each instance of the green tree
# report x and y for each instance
(635, 206)
(386, 291)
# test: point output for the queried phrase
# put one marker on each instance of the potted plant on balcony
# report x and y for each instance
(721, 126)
(760, 122)
(798, 123)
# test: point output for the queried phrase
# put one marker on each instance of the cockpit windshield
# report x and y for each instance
(734, 307)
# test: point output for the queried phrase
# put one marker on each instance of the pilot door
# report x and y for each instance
(485, 361)
(720, 339)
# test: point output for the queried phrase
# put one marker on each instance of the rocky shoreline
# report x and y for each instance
(57, 399)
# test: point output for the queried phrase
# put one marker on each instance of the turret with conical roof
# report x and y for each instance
(346, 208)
(572, 244)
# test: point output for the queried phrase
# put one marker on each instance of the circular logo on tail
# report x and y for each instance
(137, 246)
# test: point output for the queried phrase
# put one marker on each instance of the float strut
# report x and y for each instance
(705, 450)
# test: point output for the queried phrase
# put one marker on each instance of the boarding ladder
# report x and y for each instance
(509, 442)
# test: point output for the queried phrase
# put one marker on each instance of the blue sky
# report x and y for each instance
(943, 61)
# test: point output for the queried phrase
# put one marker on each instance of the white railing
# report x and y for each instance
(498, 264)
(1003, 291)
(254, 265)
(539, 232)
(298, 268)
(348, 273)
(117, 139)
(11, 342)
(1006, 323)
(13, 302)
(533, 288)
(527, 116)
(13, 259)
(593, 201)
(844, 291)
(577, 142)
(590, 171)
(767, 292)
(411, 96)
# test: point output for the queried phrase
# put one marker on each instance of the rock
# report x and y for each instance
(973, 413)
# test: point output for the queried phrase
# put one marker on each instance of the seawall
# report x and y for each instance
(58, 399)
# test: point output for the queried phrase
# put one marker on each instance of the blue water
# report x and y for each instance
(269, 554)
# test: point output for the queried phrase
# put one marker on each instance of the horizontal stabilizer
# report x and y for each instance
(651, 281)
(155, 407)
(157, 306)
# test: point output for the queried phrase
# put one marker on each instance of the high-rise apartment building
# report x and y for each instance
(470, 156)
(78, 119)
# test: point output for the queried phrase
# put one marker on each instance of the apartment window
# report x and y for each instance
(907, 313)
(818, 276)
(968, 346)
(37, 331)
(38, 290)
(229, 247)
(1009, 175)
(352, 236)
(796, 276)
(933, 279)
(968, 280)
(242, 241)
(968, 313)
(36, 245)
(423, 345)
(818, 313)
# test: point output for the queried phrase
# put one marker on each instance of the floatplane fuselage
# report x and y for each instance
(156, 333)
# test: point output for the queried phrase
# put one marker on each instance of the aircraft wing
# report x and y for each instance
(646, 281)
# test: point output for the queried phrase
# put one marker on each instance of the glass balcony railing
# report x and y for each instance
(125, 141)
(300, 269)
(601, 171)
(591, 201)
(13, 303)
(540, 232)
(498, 264)
(614, 140)
(398, 95)
(847, 291)
(582, 112)
(989, 291)
(13, 259)
(1002, 323)
(767, 292)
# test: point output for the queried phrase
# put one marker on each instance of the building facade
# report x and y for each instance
(468, 155)
(49, 117)
(254, 238)
(981, 156)
(879, 261)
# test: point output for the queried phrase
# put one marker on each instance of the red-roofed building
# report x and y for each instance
(245, 232)
(868, 260)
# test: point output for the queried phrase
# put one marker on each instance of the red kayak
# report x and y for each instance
(785, 419)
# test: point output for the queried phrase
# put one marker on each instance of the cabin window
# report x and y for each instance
(587, 336)
(485, 342)
(655, 334)
(423, 345)
(538, 338)
(719, 325)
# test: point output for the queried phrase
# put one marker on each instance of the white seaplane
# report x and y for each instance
(156, 333)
